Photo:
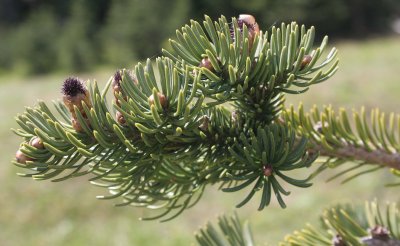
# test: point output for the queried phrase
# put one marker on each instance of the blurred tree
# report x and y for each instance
(117, 32)
(12, 12)
(213, 8)
(354, 18)
(136, 30)
(77, 47)
(33, 48)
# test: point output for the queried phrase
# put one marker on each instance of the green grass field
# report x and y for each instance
(67, 213)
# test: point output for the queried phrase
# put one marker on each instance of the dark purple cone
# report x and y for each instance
(73, 87)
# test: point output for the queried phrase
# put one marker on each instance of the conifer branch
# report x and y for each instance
(167, 134)
(211, 112)
(350, 225)
(340, 138)
(350, 152)
(341, 225)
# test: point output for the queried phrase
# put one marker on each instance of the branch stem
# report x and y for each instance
(377, 156)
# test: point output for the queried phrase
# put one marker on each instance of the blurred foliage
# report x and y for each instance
(32, 48)
(135, 29)
(40, 36)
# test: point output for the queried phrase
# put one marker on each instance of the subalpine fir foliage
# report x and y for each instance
(341, 225)
(209, 112)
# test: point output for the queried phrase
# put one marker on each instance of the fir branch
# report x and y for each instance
(349, 225)
(341, 225)
(352, 153)
(171, 137)
(341, 139)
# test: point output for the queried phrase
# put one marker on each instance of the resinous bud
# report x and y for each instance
(206, 63)
(120, 118)
(267, 170)
(74, 94)
(306, 60)
(22, 158)
(161, 97)
(252, 27)
(37, 143)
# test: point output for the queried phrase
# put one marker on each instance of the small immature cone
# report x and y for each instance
(205, 62)
(74, 94)
(267, 170)
(120, 118)
(22, 158)
(306, 60)
(37, 143)
(161, 97)
(252, 27)
(250, 22)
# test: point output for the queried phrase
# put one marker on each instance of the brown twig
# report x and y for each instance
(378, 156)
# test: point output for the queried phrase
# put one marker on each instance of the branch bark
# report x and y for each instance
(378, 156)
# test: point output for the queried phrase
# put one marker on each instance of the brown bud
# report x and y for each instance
(267, 170)
(250, 22)
(306, 60)
(22, 158)
(204, 123)
(120, 118)
(248, 19)
(206, 63)
(252, 27)
(161, 97)
(37, 143)
(74, 93)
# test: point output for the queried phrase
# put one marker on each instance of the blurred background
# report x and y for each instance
(41, 36)
(44, 41)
